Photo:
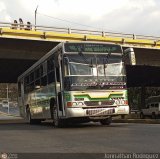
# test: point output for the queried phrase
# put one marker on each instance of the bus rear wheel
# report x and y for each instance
(153, 115)
(29, 118)
(58, 123)
(107, 121)
(142, 116)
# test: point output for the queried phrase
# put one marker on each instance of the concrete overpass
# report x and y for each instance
(16, 55)
(19, 49)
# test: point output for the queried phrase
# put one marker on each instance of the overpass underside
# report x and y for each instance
(143, 76)
(147, 70)
(16, 55)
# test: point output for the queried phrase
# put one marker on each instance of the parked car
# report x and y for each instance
(152, 108)
(5, 103)
(134, 111)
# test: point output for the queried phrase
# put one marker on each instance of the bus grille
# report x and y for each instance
(99, 103)
(100, 111)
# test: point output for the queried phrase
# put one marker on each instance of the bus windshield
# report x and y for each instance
(93, 71)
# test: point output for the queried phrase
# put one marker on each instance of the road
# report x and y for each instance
(82, 138)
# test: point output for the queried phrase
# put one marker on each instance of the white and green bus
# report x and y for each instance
(76, 82)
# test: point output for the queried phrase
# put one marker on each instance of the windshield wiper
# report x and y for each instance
(94, 68)
(104, 67)
(80, 53)
(106, 61)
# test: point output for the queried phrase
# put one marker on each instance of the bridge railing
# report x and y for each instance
(31, 27)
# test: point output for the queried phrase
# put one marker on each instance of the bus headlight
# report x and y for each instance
(80, 104)
(74, 104)
(120, 102)
(117, 102)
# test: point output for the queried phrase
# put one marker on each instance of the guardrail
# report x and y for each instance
(48, 33)
(19, 26)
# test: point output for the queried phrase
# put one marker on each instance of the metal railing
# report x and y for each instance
(19, 26)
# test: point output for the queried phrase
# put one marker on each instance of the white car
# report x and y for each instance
(5, 103)
(152, 110)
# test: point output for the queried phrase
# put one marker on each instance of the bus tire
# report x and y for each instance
(142, 116)
(58, 123)
(122, 116)
(107, 121)
(29, 118)
(52, 107)
(153, 115)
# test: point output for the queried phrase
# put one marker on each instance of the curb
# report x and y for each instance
(141, 121)
(12, 121)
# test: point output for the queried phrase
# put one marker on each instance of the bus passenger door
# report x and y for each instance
(59, 90)
(21, 98)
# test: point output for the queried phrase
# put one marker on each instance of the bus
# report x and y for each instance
(76, 82)
(152, 108)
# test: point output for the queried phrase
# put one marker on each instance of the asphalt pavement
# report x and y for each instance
(86, 141)
(81, 138)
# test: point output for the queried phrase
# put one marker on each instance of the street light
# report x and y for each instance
(36, 17)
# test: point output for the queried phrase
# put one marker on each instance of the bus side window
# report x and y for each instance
(37, 73)
(41, 70)
(37, 78)
(50, 70)
(44, 81)
(156, 105)
(50, 65)
(44, 68)
(37, 84)
(26, 84)
(57, 74)
(32, 77)
(51, 77)
(19, 89)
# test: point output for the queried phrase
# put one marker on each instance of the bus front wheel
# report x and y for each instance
(153, 115)
(142, 116)
(107, 121)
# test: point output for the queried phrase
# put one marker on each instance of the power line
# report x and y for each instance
(69, 21)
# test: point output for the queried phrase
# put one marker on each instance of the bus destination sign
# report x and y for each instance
(92, 47)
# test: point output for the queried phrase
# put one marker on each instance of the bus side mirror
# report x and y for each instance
(129, 57)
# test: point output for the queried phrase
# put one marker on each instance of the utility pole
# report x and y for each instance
(35, 17)
(7, 98)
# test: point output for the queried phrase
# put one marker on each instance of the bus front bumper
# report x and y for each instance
(97, 112)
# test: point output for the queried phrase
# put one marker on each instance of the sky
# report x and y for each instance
(124, 16)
